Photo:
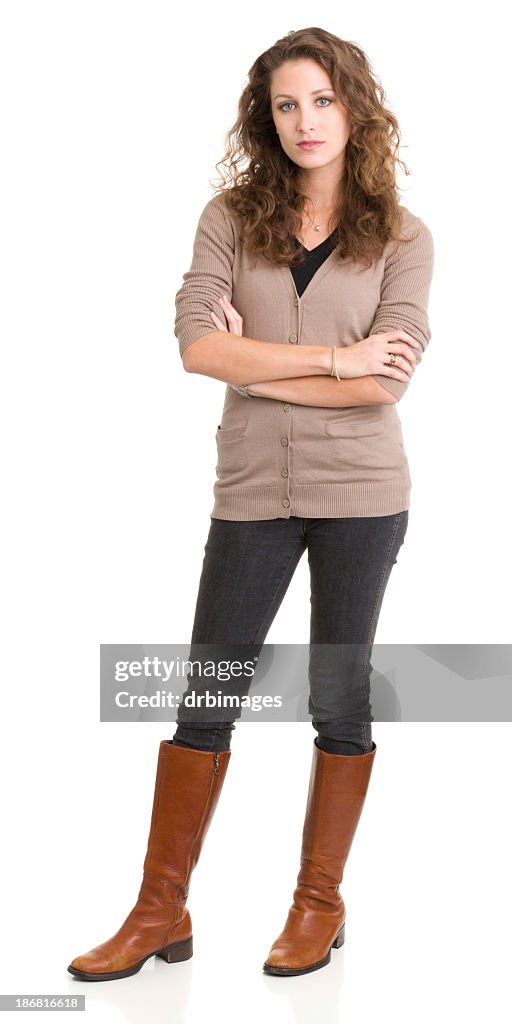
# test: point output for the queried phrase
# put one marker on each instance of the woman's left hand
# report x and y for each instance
(233, 318)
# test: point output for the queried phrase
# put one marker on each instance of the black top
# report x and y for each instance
(313, 259)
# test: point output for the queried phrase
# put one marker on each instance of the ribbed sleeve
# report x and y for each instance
(210, 276)
(404, 295)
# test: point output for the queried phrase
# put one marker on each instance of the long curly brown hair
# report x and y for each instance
(267, 194)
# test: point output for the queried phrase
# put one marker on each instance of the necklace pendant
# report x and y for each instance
(317, 227)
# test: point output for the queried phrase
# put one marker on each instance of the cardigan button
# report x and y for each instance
(284, 472)
(293, 338)
(284, 442)
(285, 502)
(287, 407)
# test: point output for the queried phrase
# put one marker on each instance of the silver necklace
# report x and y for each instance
(316, 227)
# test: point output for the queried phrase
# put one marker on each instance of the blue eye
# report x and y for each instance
(327, 98)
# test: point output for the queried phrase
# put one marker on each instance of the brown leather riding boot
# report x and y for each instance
(316, 919)
(187, 789)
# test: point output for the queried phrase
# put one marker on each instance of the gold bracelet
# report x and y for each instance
(243, 389)
(334, 368)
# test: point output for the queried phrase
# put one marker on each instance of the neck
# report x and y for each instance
(321, 190)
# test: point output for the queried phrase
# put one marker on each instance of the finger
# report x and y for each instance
(401, 335)
(226, 305)
(396, 371)
(231, 314)
(401, 368)
(403, 349)
(218, 323)
(392, 371)
(235, 323)
(406, 365)
(228, 308)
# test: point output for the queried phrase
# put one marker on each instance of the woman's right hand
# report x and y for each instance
(371, 355)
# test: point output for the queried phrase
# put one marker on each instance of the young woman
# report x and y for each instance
(310, 281)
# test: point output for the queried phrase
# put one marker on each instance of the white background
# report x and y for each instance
(113, 116)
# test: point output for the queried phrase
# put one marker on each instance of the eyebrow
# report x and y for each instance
(287, 96)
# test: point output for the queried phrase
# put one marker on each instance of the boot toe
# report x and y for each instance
(286, 958)
(89, 963)
(109, 957)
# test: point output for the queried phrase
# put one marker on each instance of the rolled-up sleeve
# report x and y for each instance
(404, 295)
(209, 277)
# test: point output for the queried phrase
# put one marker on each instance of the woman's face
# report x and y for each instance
(305, 107)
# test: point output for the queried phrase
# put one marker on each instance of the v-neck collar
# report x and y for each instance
(323, 269)
(319, 246)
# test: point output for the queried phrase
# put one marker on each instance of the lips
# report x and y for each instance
(309, 145)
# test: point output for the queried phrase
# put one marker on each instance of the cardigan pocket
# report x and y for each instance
(231, 452)
(346, 449)
(354, 428)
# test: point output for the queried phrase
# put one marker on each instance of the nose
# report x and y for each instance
(305, 126)
(306, 122)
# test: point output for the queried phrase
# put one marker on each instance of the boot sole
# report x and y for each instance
(287, 972)
(173, 954)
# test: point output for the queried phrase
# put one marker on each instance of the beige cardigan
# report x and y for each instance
(278, 459)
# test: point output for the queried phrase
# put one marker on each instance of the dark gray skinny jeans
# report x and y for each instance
(246, 571)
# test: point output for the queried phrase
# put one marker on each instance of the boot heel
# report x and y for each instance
(340, 938)
(177, 951)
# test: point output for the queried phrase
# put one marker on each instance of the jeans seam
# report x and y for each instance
(381, 581)
(375, 608)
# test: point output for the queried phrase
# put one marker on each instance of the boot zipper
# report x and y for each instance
(215, 764)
